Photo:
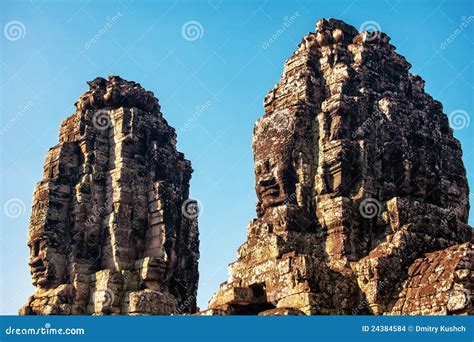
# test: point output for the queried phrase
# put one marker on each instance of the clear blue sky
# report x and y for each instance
(47, 61)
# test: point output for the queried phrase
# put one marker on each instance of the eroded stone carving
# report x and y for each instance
(358, 176)
(107, 234)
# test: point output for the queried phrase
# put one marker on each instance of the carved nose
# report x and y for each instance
(36, 262)
(266, 182)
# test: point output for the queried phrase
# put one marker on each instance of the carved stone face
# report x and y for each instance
(43, 271)
(274, 170)
(275, 182)
(154, 273)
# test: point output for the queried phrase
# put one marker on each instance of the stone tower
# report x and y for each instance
(362, 194)
(112, 230)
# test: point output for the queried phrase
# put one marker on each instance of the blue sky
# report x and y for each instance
(47, 56)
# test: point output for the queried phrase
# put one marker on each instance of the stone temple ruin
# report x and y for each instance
(110, 231)
(362, 194)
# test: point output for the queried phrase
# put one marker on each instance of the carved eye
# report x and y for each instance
(266, 165)
(35, 248)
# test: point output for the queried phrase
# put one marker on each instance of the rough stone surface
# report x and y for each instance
(362, 194)
(110, 231)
